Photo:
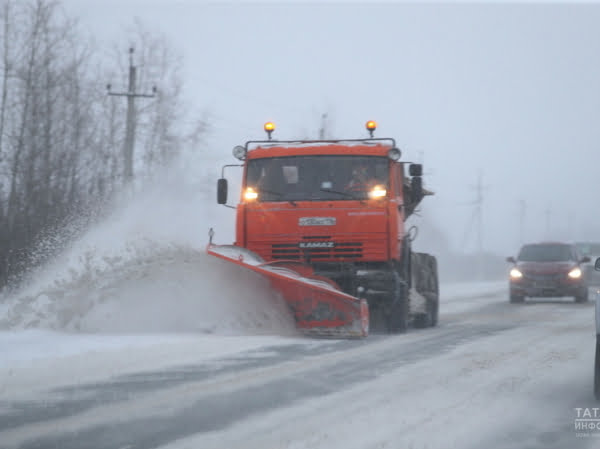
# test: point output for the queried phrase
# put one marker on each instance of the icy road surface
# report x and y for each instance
(491, 375)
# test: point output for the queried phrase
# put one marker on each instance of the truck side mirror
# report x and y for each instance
(415, 170)
(585, 259)
(416, 189)
(597, 264)
(222, 191)
(511, 259)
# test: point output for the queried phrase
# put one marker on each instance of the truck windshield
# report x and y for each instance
(317, 178)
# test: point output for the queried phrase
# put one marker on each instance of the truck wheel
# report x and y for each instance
(397, 318)
(435, 284)
(427, 282)
(597, 369)
(423, 320)
(435, 312)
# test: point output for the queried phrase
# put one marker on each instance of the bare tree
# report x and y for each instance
(61, 136)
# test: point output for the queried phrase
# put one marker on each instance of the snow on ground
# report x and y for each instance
(459, 297)
(116, 337)
(501, 392)
(38, 360)
(168, 290)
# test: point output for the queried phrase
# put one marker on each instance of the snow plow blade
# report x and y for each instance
(320, 308)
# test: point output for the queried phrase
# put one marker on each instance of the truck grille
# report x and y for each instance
(294, 252)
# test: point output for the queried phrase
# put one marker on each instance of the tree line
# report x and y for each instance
(61, 135)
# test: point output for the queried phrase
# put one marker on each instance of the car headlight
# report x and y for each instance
(575, 273)
(515, 274)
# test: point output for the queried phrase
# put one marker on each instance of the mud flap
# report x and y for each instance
(320, 308)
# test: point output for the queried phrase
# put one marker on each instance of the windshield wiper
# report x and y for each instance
(279, 194)
(346, 194)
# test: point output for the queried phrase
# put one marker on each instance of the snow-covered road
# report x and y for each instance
(493, 374)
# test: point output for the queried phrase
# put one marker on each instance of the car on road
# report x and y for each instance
(592, 250)
(548, 269)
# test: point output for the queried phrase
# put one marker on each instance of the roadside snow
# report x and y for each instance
(123, 335)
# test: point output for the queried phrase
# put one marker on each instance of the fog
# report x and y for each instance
(504, 94)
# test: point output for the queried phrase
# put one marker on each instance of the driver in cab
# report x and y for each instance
(360, 182)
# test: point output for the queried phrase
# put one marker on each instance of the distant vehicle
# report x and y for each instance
(597, 360)
(592, 250)
(548, 269)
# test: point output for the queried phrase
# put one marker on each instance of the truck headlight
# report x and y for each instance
(377, 192)
(515, 274)
(575, 273)
(250, 194)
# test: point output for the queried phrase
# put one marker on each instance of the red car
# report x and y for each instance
(549, 269)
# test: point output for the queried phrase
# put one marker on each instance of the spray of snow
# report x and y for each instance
(144, 269)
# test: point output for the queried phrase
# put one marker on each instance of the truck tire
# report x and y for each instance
(435, 313)
(597, 369)
(426, 319)
(427, 284)
(397, 317)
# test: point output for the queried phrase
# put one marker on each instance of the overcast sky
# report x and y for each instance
(510, 92)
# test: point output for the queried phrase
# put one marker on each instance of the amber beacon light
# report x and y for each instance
(371, 126)
(269, 128)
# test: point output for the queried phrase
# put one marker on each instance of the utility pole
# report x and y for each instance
(131, 95)
(323, 129)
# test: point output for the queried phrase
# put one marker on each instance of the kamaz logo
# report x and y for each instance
(316, 244)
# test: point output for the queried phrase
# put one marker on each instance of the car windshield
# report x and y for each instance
(545, 253)
(316, 178)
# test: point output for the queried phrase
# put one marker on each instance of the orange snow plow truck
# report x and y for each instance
(324, 221)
